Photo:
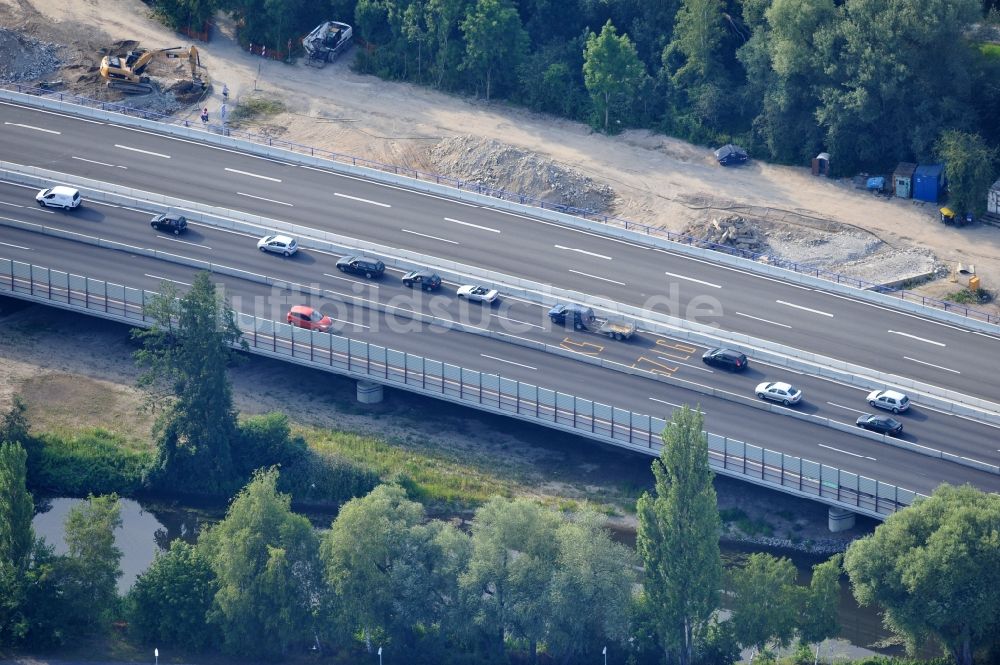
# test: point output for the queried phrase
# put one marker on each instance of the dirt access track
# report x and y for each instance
(653, 179)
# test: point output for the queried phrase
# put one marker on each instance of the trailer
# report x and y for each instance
(583, 318)
(326, 42)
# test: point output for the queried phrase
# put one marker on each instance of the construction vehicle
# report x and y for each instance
(583, 318)
(127, 73)
(326, 42)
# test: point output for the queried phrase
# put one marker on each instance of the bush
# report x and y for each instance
(266, 441)
(320, 479)
(92, 462)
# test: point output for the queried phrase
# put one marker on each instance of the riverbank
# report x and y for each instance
(76, 376)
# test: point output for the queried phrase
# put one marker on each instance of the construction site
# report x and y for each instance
(780, 213)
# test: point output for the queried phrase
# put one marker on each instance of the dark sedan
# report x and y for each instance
(880, 424)
(170, 223)
(734, 361)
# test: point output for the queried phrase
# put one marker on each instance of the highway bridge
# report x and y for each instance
(651, 374)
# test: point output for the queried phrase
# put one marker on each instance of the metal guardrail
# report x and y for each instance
(469, 186)
(489, 392)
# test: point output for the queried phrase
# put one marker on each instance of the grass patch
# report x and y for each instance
(94, 461)
(256, 108)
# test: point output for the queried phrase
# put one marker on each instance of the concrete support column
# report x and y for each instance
(370, 392)
(838, 518)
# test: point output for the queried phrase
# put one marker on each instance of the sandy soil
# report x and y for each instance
(656, 179)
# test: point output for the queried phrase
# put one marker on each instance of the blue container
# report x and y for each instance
(928, 182)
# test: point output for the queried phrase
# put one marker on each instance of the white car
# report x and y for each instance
(890, 400)
(779, 392)
(59, 196)
(478, 293)
(278, 244)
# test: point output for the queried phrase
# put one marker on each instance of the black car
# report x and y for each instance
(361, 265)
(730, 155)
(725, 359)
(425, 279)
(169, 222)
(880, 424)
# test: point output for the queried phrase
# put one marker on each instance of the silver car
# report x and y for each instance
(779, 392)
(278, 244)
(890, 400)
(478, 293)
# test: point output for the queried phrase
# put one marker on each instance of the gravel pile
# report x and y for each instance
(500, 166)
(24, 58)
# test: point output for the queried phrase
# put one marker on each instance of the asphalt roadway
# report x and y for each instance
(814, 320)
(737, 420)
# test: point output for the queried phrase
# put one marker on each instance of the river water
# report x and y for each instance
(148, 527)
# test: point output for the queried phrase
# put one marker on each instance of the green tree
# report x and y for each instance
(968, 169)
(14, 425)
(444, 18)
(514, 550)
(17, 542)
(187, 351)
(90, 540)
(394, 575)
(590, 591)
(818, 619)
(170, 601)
(678, 538)
(612, 71)
(266, 562)
(935, 569)
(186, 14)
(495, 42)
(765, 600)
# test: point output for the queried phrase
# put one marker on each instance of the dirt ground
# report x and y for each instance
(637, 175)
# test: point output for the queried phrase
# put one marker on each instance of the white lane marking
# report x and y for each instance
(730, 268)
(382, 184)
(424, 235)
(348, 279)
(846, 408)
(475, 226)
(923, 362)
(351, 323)
(355, 198)
(676, 362)
(94, 161)
(197, 143)
(183, 242)
(583, 251)
(253, 175)
(603, 279)
(838, 450)
(511, 362)
(692, 279)
(17, 246)
(663, 401)
(919, 339)
(804, 309)
(533, 325)
(895, 311)
(61, 115)
(15, 205)
(145, 152)
(757, 318)
(37, 129)
(569, 228)
(166, 279)
(261, 198)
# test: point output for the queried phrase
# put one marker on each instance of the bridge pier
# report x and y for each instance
(838, 519)
(370, 392)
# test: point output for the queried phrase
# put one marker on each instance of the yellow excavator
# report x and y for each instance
(126, 73)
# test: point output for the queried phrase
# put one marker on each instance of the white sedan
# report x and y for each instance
(478, 293)
(779, 392)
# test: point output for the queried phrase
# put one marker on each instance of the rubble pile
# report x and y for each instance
(732, 231)
(497, 165)
(24, 58)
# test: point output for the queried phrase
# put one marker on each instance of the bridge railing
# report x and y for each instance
(485, 391)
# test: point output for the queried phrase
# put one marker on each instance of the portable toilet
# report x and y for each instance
(928, 182)
(902, 180)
